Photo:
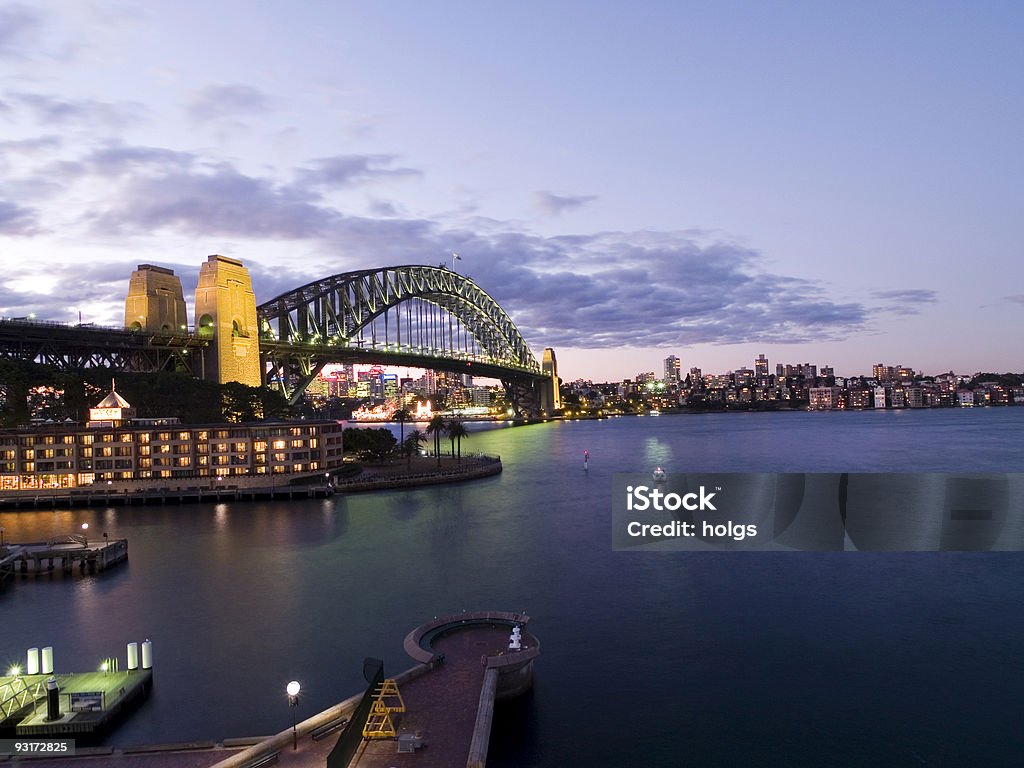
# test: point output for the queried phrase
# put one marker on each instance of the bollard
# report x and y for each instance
(52, 700)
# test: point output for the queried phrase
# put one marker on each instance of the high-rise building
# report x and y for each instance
(761, 368)
(672, 367)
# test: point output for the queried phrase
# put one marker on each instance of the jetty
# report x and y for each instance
(41, 703)
(69, 552)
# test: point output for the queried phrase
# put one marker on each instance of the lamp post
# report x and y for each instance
(292, 689)
(85, 534)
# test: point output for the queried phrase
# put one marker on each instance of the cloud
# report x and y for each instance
(212, 200)
(682, 292)
(909, 295)
(18, 25)
(116, 160)
(349, 170)
(80, 285)
(53, 111)
(30, 146)
(216, 102)
(551, 204)
(905, 301)
(17, 220)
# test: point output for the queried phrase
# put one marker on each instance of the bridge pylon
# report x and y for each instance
(226, 314)
(550, 395)
(155, 301)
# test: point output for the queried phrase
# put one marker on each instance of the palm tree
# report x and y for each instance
(457, 431)
(401, 416)
(412, 445)
(436, 427)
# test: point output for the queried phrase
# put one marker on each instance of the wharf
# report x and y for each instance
(69, 551)
(89, 702)
(88, 497)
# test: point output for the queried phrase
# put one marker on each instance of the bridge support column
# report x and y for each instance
(155, 301)
(550, 394)
(226, 314)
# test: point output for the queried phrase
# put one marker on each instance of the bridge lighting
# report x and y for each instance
(14, 671)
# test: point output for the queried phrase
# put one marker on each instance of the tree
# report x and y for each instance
(457, 431)
(401, 416)
(412, 444)
(369, 444)
(437, 427)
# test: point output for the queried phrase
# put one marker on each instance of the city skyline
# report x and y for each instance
(829, 185)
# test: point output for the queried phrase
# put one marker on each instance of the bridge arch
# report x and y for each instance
(413, 314)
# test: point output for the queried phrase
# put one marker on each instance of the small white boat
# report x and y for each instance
(659, 475)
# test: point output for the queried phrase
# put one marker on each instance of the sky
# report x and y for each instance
(832, 183)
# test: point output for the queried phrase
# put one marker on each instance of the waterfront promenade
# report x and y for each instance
(394, 474)
(464, 664)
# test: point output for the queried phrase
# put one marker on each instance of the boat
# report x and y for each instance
(659, 475)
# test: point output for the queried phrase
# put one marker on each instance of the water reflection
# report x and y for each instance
(657, 453)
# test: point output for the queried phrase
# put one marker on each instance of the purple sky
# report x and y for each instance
(821, 183)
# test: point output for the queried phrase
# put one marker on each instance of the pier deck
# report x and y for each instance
(68, 551)
(89, 702)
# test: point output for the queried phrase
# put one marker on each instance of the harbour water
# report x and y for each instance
(649, 658)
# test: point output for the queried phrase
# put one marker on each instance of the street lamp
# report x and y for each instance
(85, 539)
(292, 689)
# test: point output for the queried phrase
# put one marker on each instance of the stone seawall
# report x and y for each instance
(472, 471)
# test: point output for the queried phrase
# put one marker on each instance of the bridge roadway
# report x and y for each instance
(447, 701)
(71, 347)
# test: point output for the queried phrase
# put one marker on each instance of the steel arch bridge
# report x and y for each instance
(414, 315)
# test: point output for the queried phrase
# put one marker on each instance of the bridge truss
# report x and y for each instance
(413, 315)
(70, 347)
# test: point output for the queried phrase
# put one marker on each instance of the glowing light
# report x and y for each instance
(14, 671)
(293, 688)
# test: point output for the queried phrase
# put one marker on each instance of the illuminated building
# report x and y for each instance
(672, 368)
(824, 398)
(116, 446)
(761, 367)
